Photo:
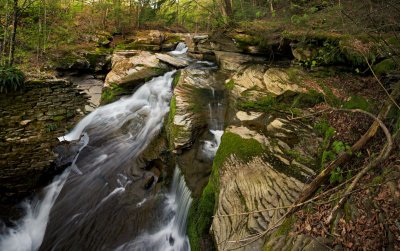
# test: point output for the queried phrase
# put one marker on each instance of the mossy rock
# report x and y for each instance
(142, 76)
(138, 46)
(70, 61)
(110, 94)
(202, 209)
(385, 66)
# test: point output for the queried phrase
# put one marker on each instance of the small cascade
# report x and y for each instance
(210, 147)
(172, 231)
(180, 49)
(29, 231)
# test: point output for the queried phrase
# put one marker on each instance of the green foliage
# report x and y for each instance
(300, 19)
(230, 84)
(58, 118)
(11, 79)
(322, 126)
(264, 104)
(336, 176)
(329, 54)
(330, 98)
(330, 150)
(287, 101)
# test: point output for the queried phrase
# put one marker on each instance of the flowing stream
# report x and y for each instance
(103, 201)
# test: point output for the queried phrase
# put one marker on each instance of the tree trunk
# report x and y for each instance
(13, 34)
(228, 8)
(5, 38)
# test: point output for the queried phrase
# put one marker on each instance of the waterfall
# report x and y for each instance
(111, 137)
(181, 48)
(216, 129)
(171, 234)
(29, 232)
(102, 201)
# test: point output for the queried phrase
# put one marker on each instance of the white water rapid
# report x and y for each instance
(171, 234)
(216, 127)
(105, 200)
(117, 132)
(29, 231)
(180, 49)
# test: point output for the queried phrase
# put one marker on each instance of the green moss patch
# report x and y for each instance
(176, 79)
(111, 93)
(357, 102)
(385, 66)
(287, 101)
(171, 129)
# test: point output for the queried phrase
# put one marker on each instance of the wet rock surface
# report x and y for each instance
(196, 96)
(131, 67)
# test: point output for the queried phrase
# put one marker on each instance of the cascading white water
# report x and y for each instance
(29, 231)
(95, 203)
(181, 48)
(123, 129)
(210, 147)
(171, 234)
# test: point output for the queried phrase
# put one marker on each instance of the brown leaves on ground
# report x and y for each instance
(370, 219)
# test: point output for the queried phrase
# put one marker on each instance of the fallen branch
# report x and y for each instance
(382, 156)
(343, 157)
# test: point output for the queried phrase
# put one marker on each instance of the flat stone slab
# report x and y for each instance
(174, 61)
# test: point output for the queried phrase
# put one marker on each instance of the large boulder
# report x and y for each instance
(260, 170)
(131, 67)
(233, 61)
(186, 116)
(153, 37)
(257, 80)
(197, 106)
(173, 61)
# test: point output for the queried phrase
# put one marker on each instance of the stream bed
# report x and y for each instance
(104, 200)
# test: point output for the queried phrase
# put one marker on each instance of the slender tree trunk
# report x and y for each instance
(228, 8)
(13, 34)
(4, 46)
(271, 6)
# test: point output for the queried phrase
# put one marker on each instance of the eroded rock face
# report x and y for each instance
(92, 87)
(233, 61)
(198, 102)
(271, 179)
(248, 187)
(258, 80)
(132, 66)
(187, 117)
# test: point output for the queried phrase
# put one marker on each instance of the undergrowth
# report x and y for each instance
(11, 79)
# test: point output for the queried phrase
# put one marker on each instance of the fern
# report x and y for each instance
(11, 79)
